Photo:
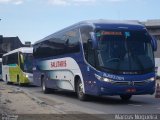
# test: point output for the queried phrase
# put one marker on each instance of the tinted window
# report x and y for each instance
(72, 41)
(4, 60)
(10, 59)
(121, 51)
(26, 62)
(13, 58)
(59, 44)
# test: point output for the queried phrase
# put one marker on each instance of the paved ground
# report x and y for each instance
(20, 103)
(33, 101)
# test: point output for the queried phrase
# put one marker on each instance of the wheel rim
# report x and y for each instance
(80, 89)
(6, 79)
(43, 86)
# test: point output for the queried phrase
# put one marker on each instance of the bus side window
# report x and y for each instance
(4, 60)
(90, 54)
(87, 47)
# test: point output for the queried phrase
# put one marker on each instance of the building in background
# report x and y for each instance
(153, 27)
(9, 43)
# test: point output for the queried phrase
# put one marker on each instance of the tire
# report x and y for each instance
(45, 90)
(8, 83)
(125, 97)
(79, 89)
(18, 81)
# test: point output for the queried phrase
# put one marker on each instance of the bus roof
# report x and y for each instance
(22, 49)
(101, 23)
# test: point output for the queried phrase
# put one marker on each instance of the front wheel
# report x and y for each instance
(7, 82)
(125, 97)
(44, 87)
(81, 95)
(18, 81)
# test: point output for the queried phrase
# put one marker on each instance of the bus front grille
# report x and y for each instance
(136, 83)
(121, 83)
(140, 83)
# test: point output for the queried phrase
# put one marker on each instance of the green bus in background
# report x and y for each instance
(17, 66)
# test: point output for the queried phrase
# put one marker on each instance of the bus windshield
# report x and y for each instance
(26, 62)
(125, 51)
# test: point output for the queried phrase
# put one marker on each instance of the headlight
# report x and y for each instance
(27, 76)
(151, 79)
(107, 80)
(103, 79)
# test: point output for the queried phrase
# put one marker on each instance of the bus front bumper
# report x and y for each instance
(138, 88)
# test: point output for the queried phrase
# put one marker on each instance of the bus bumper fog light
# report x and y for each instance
(151, 79)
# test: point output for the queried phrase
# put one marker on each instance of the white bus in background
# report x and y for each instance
(0, 68)
(157, 64)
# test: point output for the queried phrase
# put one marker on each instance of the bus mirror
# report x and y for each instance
(93, 40)
(154, 43)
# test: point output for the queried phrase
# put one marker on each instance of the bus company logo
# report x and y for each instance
(56, 64)
(130, 83)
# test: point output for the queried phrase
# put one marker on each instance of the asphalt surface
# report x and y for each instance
(67, 102)
(68, 107)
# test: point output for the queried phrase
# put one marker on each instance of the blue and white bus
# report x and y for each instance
(97, 58)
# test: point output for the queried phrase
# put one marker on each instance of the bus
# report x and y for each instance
(0, 68)
(97, 57)
(17, 66)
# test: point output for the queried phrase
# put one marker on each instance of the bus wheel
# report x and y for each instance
(18, 81)
(79, 88)
(125, 97)
(7, 80)
(44, 88)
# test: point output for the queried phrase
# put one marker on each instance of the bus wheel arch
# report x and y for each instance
(79, 88)
(18, 79)
(7, 79)
(42, 78)
(76, 78)
(43, 85)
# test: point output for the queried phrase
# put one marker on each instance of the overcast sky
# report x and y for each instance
(32, 20)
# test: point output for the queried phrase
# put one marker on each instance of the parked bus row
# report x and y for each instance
(90, 58)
